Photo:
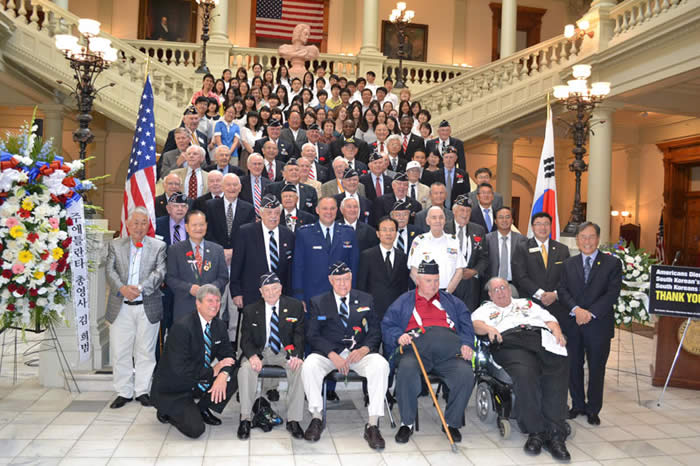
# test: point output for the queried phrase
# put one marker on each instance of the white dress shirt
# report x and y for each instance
(391, 252)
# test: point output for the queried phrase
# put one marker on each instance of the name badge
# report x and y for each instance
(535, 249)
(317, 247)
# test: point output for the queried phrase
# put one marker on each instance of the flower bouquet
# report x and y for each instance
(36, 185)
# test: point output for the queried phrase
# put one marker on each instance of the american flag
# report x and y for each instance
(660, 243)
(276, 19)
(140, 186)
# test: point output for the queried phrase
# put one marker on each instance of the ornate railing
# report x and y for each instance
(120, 103)
(182, 56)
(631, 14)
(418, 73)
(480, 82)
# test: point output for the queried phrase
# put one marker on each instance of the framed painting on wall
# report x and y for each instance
(416, 41)
(168, 20)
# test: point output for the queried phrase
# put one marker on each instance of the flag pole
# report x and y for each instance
(148, 65)
(549, 109)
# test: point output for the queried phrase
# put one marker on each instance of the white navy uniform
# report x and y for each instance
(444, 250)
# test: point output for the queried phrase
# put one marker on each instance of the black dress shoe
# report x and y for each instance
(455, 433)
(209, 418)
(273, 395)
(331, 395)
(557, 448)
(574, 413)
(119, 402)
(313, 432)
(163, 418)
(403, 434)
(243, 430)
(534, 443)
(593, 420)
(295, 429)
(144, 399)
(374, 437)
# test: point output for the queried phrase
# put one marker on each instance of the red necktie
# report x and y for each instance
(192, 187)
(405, 143)
(378, 187)
(381, 147)
(198, 258)
(270, 171)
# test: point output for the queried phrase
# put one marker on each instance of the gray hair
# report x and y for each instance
(493, 279)
(232, 175)
(252, 157)
(393, 137)
(138, 210)
(435, 207)
(165, 179)
(199, 149)
(213, 172)
(207, 290)
(309, 145)
(222, 146)
(344, 201)
(339, 158)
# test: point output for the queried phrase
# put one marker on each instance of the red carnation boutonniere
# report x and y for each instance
(140, 245)
(322, 159)
(357, 330)
(289, 349)
(477, 239)
(294, 218)
(364, 172)
(459, 176)
(189, 254)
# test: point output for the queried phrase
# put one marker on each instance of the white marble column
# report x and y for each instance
(370, 29)
(53, 124)
(509, 22)
(219, 22)
(599, 171)
(504, 166)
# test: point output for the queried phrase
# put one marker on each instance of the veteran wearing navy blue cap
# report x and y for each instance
(441, 327)
(343, 334)
(445, 140)
(272, 333)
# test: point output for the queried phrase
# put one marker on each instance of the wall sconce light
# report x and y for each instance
(578, 31)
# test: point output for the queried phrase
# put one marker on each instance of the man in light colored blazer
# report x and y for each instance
(135, 270)
(495, 243)
(193, 263)
(333, 186)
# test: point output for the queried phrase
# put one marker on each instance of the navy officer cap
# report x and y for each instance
(375, 156)
(289, 188)
(428, 267)
(190, 110)
(292, 161)
(401, 205)
(463, 200)
(274, 123)
(177, 198)
(444, 124)
(400, 177)
(339, 268)
(312, 126)
(349, 173)
(350, 141)
(269, 279)
(269, 202)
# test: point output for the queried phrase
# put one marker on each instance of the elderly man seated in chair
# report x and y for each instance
(528, 342)
(441, 328)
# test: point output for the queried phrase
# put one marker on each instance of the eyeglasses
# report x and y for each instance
(500, 289)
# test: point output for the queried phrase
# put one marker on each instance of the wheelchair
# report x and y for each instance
(495, 398)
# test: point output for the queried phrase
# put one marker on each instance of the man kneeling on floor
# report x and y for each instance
(529, 345)
(272, 332)
(185, 373)
(441, 328)
(343, 334)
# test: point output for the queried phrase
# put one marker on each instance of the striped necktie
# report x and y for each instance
(344, 312)
(274, 254)
(229, 219)
(400, 242)
(207, 355)
(257, 196)
(176, 234)
(275, 342)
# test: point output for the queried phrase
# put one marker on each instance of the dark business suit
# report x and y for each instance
(469, 290)
(322, 174)
(370, 188)
(231, 169)
(170, 145)
(299, 141)
(357, 165)
(217, 229)
(362, 149)
(285, 149)
(366, 236)
(375, 279)
(478, 218)
(250, 262)
(291, 327)
(399, 167)
(414, 143)
(163, 230)
(530, 273)
(182, 368)
(308, 197)
(247, 187)
(493, 243)
(313, 257)
(302, 218)
(323, 153)
(457, 143)
(591, 340)
(182, 273)
(279, 168)
(160, 205)
(460, 182)
(497, 202)
(200, 203)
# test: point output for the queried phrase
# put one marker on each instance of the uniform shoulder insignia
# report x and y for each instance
(305, 227)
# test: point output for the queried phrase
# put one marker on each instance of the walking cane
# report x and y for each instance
(435, 401)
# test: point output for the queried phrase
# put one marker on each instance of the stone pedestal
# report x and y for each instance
(50, 373)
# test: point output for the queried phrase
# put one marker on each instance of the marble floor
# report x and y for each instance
(41, 426)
